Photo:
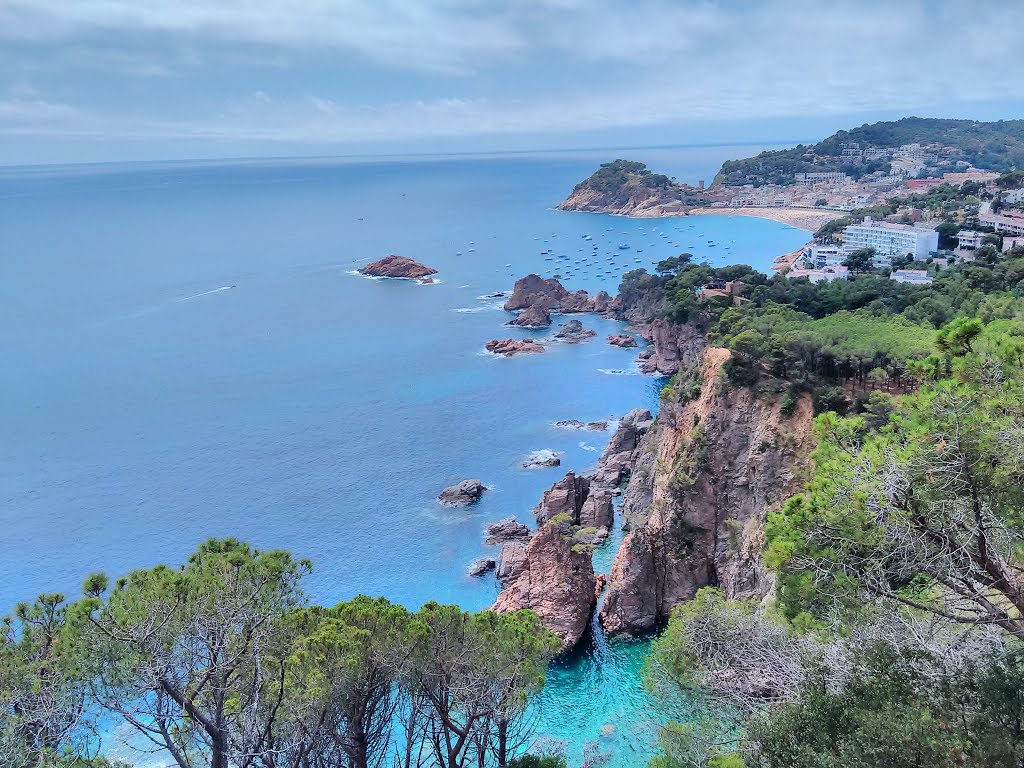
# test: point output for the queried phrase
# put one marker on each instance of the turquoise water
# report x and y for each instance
(186, 355)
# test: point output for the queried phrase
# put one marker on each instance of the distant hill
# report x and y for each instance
(997, 146)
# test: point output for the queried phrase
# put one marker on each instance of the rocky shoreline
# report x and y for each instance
(551, 570)
(696, 483)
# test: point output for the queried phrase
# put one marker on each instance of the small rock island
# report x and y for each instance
(398, 267)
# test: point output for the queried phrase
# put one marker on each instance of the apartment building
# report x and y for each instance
(890, 240)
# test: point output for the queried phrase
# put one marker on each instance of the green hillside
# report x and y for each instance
(997, 146)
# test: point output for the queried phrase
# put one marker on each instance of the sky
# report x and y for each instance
(102, 80)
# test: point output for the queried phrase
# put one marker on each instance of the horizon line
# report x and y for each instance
(396, 155)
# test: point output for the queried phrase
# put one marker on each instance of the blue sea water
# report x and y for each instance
(186, 354)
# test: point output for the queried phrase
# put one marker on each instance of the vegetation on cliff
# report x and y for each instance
(895, 636)
(625, 185)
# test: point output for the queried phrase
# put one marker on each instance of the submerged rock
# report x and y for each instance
(466, 492)
(509, 347)
(570, 424)
(398, 267)
(542, 458)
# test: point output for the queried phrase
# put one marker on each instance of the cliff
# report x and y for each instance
(630, 189)
(705, 476)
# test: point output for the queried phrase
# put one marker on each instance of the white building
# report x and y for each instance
(890, 240)
(832, 177)
(826, 255)
(818, 275)
(968, 238)
(1010, 225)
(916, 276)
(1009, 243)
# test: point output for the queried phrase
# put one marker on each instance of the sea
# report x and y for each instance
(188, 352)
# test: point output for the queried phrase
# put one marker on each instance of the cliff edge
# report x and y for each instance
(718, 458)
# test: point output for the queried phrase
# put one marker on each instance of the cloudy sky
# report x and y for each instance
(135, 79)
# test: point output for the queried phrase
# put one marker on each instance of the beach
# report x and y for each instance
(809, 219)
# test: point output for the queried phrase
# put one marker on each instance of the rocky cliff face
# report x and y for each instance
(704, 479)
(552, 576)
(671, 345)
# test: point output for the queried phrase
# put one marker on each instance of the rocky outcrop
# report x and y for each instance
(508, 529)
(704, 479)
(534, 291)
(542, 458)
(564, 498)
(628, 188)
(670, 346)
(572, 331)
(552, 573)
(466, 492)
(509, 347)
(552, 576)
(397, 267)
(602, 302)
(511, 560)
(481, 565)
(532, 317)
(622, 340)
(617, 459)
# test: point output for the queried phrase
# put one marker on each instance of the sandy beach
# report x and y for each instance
(802, 218)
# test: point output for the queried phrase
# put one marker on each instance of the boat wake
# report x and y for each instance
(206, 293)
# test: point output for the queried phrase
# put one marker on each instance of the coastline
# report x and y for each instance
(808, 219)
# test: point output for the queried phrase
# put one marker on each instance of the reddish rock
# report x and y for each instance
(509, 347)
(533, 291)
(602, 302)
(703, 483)
(565, 497)
(399, 267)
(535, 316)
(573, 332)
(508, 529)
(671, 345)
(555, 580)
(622, 340)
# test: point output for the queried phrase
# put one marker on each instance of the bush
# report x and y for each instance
(830, 399)
(537, 761)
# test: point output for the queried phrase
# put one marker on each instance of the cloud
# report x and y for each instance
(479, 68)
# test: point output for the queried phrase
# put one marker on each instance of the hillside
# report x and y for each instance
(946, 145)
(627, 187)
